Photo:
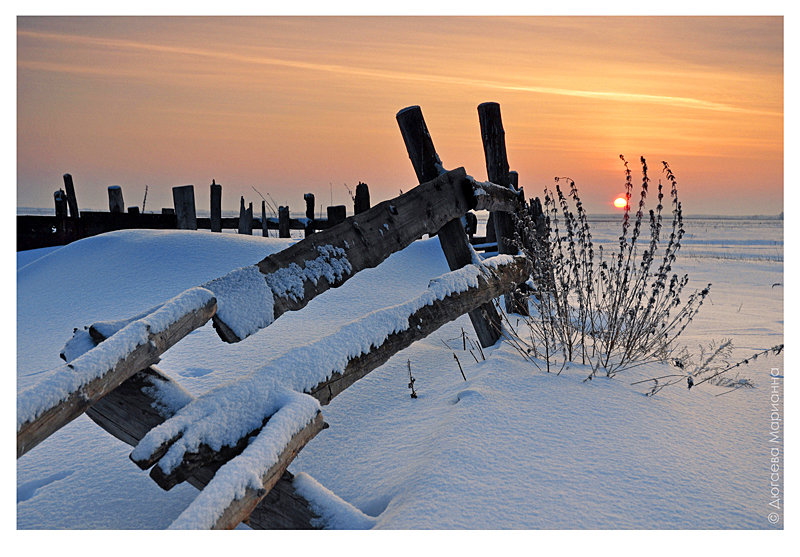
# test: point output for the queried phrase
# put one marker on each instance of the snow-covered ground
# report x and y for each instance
(512, 447)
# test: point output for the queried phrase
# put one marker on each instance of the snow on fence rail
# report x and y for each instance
(69, 391)
(236, 441)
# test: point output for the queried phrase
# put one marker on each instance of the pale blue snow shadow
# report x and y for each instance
(195, 372)
(28, 489)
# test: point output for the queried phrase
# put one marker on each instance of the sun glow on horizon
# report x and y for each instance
(620, 202)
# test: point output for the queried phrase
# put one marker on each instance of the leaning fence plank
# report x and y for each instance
(239, 509)
(288, 280)
(131, 410)
(183, 445)
(68, 392)
(283, 509)
(501, 279)
(71, 199)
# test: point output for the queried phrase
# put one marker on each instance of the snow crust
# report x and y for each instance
(80, 343)
(244, 301)
(246, 297)
(334, 512)
(108, 328)
(169, 396)
(288, 282)
(95, 363)
(512, 447)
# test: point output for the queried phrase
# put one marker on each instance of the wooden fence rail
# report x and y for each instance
(40, 414)
(360, 242)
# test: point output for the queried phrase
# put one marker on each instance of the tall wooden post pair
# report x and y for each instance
(455, 244)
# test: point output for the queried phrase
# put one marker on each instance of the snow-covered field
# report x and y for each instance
(512, 447)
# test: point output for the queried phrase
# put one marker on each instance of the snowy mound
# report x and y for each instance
(510, 447)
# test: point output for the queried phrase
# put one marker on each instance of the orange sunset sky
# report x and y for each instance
(291, 105)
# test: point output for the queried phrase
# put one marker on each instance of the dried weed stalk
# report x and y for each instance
(609, 310)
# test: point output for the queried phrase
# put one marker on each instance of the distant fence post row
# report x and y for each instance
(68, 225)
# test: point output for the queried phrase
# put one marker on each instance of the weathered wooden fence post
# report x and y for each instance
(455, 244)
(264, 229)
(216, 207)
(283, 222)
(242, 217)
(361, 202)
(115, 202)
(133, 210)
(245, 218)
(494, 147)
(72, 201)
(336, 214)
(309, 229)
(60, 198)
(183, 199)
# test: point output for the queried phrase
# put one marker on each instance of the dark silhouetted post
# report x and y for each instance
(60, 198)
(264, 230)
(362, 198)
(242, 217)
(494, 147)
(283, 222)
(455, 244)
(309, 229)
(336, 214)
(185, 211)
(72, 201)
(216, 207)
(115, 202)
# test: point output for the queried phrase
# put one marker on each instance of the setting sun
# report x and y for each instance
(620, 202)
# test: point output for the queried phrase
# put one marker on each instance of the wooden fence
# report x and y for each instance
(69, 224)
(120, 397)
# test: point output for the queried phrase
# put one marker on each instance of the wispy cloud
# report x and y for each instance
(353, 71)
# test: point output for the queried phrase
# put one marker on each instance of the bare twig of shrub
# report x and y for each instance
(411, 381)
(708, 369)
